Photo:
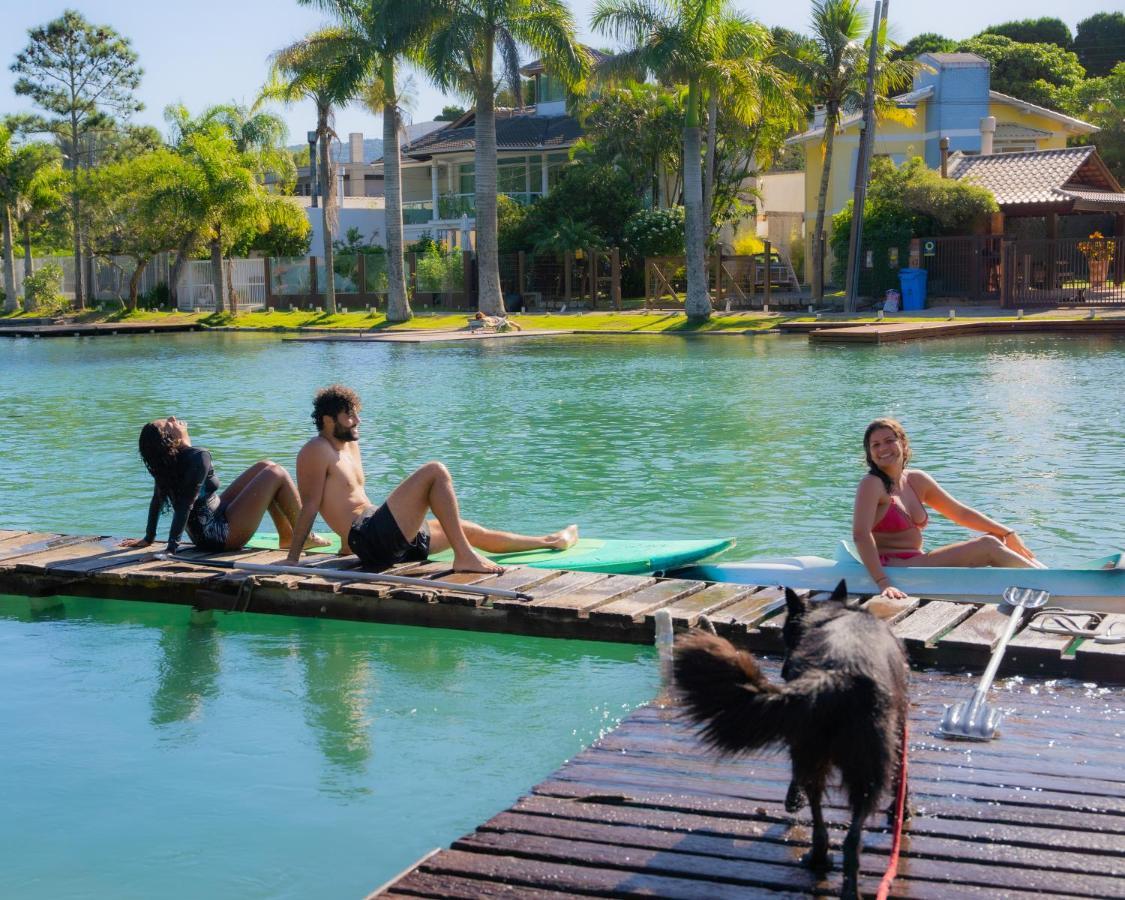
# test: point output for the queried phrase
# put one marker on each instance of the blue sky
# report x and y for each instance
(211, 52)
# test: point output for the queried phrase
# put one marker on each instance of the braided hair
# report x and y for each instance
(899, 432)
(160, 454)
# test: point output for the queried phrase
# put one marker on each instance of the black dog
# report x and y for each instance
(843, 706)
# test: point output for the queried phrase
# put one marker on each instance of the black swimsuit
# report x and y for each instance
(195, 505)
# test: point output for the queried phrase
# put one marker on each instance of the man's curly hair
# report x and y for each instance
(333, 400)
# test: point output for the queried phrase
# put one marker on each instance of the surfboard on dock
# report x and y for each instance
(618, 557)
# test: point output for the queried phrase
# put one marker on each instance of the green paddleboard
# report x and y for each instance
(588, 555)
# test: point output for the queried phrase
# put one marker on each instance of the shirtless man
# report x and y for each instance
(330, 481)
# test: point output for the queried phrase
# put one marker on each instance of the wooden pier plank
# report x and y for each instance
(43, 561)
(566, 583)
(929, 621)
(590, 596)
(714, 597)
(647, 600)
(1100, 661)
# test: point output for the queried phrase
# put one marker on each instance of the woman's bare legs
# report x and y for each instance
(981, 551)
(264, 487)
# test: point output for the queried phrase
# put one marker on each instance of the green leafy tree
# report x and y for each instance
(450, 114)
(834, 73)
(1046, 30)
(1043, 74)
(41, 204)
(325, 67)
(255, 131)
(287, 231)
(1099, 42)
(1101, 101)
(587, 208)
(927, 42)
(79, 74)
(474, 42)
(905, 202)
(716, 55)
(27, 173)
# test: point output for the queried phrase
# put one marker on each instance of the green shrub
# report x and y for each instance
(158, 296)
(41, 290)
(439, 272)
(655, 232)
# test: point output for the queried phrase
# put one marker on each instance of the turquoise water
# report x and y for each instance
(275, 757)
(752, 437)
(267, 756)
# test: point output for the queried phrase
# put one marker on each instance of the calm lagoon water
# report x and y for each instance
(275, 757)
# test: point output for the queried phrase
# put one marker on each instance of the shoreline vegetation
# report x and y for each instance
(607, 321)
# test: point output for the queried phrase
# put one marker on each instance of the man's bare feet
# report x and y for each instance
(474, 562)
(562, 540)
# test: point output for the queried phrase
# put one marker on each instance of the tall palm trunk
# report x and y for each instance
(328, 197)
(10, 303)
(398, 303)
(698, 302)
(821, 203)
(491, 300)
(218, 271)
(709, 171)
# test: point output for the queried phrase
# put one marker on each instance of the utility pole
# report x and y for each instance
(863, 159)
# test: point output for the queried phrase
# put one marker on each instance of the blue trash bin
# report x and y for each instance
(913, 283)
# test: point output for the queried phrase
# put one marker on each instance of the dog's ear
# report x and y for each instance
(840, 595)
(795, 604)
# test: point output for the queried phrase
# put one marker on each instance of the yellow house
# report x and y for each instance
(951, 99)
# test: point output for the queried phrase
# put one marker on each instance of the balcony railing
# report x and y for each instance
(417, 212)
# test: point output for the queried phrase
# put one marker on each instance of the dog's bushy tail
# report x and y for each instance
(735, 705)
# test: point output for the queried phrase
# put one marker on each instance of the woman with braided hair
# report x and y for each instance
(185, 481)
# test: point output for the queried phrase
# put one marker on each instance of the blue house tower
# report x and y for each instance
(959, 101)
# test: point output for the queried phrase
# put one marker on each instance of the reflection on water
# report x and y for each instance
(299, 757)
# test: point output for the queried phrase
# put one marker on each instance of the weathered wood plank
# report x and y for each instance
(105, 561)
(452, 887)
(35, 542)
(749, 610)
(714, 597)
(589, 596)
(1097, 661)
(566, 583)
(931, 620)
(7, 534)
(647, 600)
(891, 611)
(42, 562)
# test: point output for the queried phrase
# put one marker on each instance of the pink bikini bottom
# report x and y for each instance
(884, 558)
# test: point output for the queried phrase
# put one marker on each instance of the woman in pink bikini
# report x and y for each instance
(890, 514)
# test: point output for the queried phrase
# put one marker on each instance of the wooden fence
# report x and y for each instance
(740, 282)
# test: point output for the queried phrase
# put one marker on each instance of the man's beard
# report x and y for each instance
(344, 434)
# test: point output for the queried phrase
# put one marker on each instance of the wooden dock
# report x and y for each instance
(897, 332)
(94, 329)
(580, 605)
(647, 811)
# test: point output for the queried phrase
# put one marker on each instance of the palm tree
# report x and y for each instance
(712, 52)
(470, 38)
(324, 67)
(833, 66)
(388, 32)
(253, 130)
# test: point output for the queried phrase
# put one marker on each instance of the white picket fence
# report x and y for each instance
(247, 278)
(111, 275)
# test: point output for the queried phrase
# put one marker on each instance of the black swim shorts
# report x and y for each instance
(379, 543)
(207, 524)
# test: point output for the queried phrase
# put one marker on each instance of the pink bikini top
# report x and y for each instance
(896, 518)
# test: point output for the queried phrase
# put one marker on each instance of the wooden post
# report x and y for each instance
(1005, 297)
(568, 270)
(314, 289)
(718, 301)
(615, 277)
(915, 253)
(267, 269)
(766, 279)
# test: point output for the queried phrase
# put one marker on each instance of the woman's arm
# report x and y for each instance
(154, 506)
(934, 495)
(864, 516)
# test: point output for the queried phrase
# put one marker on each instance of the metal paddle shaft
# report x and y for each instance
(974, 719)
(349, 575)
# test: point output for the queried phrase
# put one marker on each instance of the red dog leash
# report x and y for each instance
(900, 810)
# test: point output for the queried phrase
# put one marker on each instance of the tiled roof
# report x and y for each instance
(520, 132)
(1012, 131)
(1040, 177)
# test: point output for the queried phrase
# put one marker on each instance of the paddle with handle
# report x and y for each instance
(974, 719)
(350, 575)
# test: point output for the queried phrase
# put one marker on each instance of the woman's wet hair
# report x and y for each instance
(333, 400)
(899, 432)
(160, 452)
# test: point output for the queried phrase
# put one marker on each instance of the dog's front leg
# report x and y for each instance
(817, 858)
